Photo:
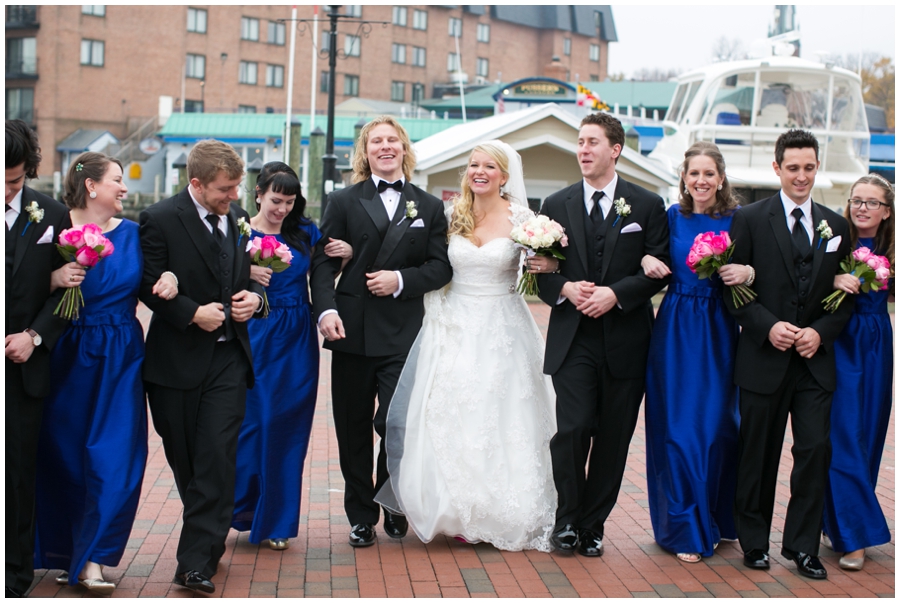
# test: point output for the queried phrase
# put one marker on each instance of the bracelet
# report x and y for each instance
(172, 274)
(751, 278)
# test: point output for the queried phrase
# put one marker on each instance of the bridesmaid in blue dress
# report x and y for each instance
(275, 434)
(691, 408)
(861, 411)
(93, 443)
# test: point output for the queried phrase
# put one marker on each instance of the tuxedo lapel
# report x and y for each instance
(397, 227)
(778, 223)
(239, 251)
(374, 206)
(819, 245)
(200, 235)
(576, 212)
(25, 234)
(612, 232)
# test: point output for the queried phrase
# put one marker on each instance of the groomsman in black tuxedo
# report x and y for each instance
(371, 318)
(33, 224)
(785, 361)
(599, 331)
(198, 364)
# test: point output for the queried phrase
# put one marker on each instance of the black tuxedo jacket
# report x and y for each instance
(174, 238)
(416, 247)
(626, 329)
(30, 304)
(762, 240)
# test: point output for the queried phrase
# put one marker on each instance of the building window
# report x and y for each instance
(351, 46)
(21, 16)
(323, 82)
(250, 29)
(247, 74)
(92, 53)
(481, 67)
(452, 61)
(398, 91)
(353, 10)
(196, 20)
(325, 41)
(276, 33)
(351, 85)
(595, 52)
(483, 33)
(21, 56)
(193, 106)
(594, 77)
(567, 46)
(418, 57)
(196, 66)
(246, 109)
(20, 104)
(455, 27)
(399, 16)
(275, 76)
(398, 53)
(418, 92)
(420, 19)
(96, 10)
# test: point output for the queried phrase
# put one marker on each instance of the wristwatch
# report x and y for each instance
(35, 337)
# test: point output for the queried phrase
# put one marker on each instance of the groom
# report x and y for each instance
(372, 316)
(599, 330)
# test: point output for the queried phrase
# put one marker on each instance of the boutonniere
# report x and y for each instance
(622, 209)
(243, 230)
(824, 231)
(35, 214)
(411, 211)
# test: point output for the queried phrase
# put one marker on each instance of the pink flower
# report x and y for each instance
(284, 253)
(692, 260)
(719, 244)
(108, 248)
(703, 249)
(862, 254)
(267, 247)
(71, 236)
(885, 263)
(92, 239)
(564, 241)
(725, 234)
(883, 274)
(873, 262)
(92, 228)
(87, 257)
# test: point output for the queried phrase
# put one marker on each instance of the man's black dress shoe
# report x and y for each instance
(362, 534)
(565, 539)
(756, 559)
(807, 565)
(12, 593)
(194, 580)
(590, 544)
(395, 526)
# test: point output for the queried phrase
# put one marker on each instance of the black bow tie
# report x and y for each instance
(384, 185)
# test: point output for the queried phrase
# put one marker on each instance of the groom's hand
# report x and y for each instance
(600, 302)
(331, 327)
(382, 283)
(577, 292)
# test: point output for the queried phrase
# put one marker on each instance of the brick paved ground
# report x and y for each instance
(321, 563)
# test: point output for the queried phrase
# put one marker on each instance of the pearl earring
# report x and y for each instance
(718, 188)
(93, 195)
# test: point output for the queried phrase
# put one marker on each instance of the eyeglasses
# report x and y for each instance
(870, 204)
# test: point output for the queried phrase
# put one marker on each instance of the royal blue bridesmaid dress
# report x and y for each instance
(93, 442)
(275, 434)
(860, 413)
(691, 409)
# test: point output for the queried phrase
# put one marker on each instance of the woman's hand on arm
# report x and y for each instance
(654, 267)
(261, 275)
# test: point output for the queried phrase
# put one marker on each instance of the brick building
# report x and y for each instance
(117, 68)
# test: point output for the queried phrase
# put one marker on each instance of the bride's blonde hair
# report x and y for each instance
(462, 222)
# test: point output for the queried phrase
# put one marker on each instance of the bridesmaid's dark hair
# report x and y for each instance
(278, 177)
(726, 202)
(884, 238)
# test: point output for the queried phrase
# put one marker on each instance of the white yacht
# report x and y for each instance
(743, 106)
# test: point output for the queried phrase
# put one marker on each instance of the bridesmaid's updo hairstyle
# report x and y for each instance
(463, 220)
(726, 202)
(884, 238)
(280, 178)
(87, 166)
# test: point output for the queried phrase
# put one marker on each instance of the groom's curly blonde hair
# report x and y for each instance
(462, 222)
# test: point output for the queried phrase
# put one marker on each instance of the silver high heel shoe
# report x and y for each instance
(62, 579)
(852, 564)
(279, 544)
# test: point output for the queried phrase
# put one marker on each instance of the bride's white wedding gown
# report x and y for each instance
(469, 426)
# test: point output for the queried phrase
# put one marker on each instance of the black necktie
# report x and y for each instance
(217, 234)
(384, 185)
(798, 233)
(596, 213)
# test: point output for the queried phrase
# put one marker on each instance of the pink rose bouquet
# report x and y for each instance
(539, 235)
(268, 252)
(710, 252)
(87, 246)
(873, 272)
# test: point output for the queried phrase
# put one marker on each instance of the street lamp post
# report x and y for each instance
(329, 160)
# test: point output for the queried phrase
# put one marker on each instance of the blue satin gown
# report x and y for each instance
(93, 442)
(277, 425)
(860, 413)
(691, 409)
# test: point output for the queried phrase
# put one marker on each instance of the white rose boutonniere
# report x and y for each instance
(622, 209)
(824, 231)
(243, 230)
(411, 211)
(35, 214)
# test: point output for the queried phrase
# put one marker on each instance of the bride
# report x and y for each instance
(470, 423)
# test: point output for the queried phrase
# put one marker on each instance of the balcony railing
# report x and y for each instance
(17, 68)
(21, 17)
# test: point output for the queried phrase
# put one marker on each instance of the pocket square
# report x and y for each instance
(633, 227)
(249, 245)
(833, 244)
(418, 224)
(47, 237)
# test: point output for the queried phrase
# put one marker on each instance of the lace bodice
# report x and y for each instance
(495, 262)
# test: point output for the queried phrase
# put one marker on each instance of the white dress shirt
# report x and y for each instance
(807, 221)
(13, 210)
(223, 220)
(606, 200)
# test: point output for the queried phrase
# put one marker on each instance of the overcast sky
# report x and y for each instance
(690, 32)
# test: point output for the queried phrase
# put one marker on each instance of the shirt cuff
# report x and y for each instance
(399, 284)
(324, 314)
(261, 304)
(561, 299)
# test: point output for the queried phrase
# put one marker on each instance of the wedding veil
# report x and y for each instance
(515, 186)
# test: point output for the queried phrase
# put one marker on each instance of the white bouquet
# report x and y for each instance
(539, 235)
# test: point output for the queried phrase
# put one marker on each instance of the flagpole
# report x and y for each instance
(286, 147)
